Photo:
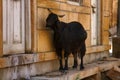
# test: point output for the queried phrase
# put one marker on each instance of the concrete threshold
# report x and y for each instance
(90, 69)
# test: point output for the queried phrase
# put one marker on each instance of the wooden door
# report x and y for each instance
(95, 22)
(13, 27)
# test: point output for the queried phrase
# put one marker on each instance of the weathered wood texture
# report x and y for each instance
(117, 68)
(45, 41)
(72, 13)
(13, 27)
(23, 59)
(106, 18)
(1, 37)
(24, 65)
(113, 75)
(42, 38)
(33, 25)
(90, 69)
(116, 46)
(26, 71)
(114, 13)
(97, 76)
(118, 19)
(27, 26)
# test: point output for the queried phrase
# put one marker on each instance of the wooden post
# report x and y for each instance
(1, 38)
(116, 40)
(118, 20)
(116, 48)
(97, 76)
(28, 26)
(33, 25)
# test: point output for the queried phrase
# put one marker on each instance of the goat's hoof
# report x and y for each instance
(81, 68)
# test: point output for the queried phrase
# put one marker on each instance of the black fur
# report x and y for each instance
(69, 37)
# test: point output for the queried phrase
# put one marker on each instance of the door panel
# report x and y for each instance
(13, 27)
(16, 26)
(94, 22)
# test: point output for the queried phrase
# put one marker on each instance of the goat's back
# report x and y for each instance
(73, 35)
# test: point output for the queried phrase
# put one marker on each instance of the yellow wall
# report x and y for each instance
(43, 38)
(114, 13)
(44, 42)
(106, 17)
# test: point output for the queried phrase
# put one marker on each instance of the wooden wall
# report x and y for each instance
(106, 17)
(72, 13)
(114, 13)
(43, 38)
(1, 49)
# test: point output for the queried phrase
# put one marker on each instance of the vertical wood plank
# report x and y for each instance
(94, 23)
(105, 22)
(27, 26)
(5, 25)
(98, 76)
(118, 19)
(116, 48)
(13, 23)
(114, 13)
(1, 39)
(4, 22)
(33, 24)
(16, 26)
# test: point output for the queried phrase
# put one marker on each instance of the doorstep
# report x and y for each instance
(90, 69)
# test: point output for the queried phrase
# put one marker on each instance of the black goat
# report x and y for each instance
(69, 37)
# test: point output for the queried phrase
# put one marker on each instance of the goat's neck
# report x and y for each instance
(57, 26)
(57, 32)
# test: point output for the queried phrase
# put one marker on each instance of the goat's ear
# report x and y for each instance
(49, 10)
(61, 16)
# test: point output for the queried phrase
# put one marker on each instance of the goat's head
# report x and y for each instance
(52, 19)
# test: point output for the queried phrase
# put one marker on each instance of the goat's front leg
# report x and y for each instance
(59, 53)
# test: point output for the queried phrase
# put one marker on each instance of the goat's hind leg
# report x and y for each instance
(75, 59)
(82, 50)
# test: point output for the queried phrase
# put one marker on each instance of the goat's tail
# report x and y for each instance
(82, 50)
(81, 53)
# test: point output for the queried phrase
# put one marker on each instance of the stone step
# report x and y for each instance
(72, 74)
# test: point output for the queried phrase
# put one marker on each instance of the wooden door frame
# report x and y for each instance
(33, 25)
(99, 20)
(118, 19)
(28, 26)
(98, 23)
(1, 37)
